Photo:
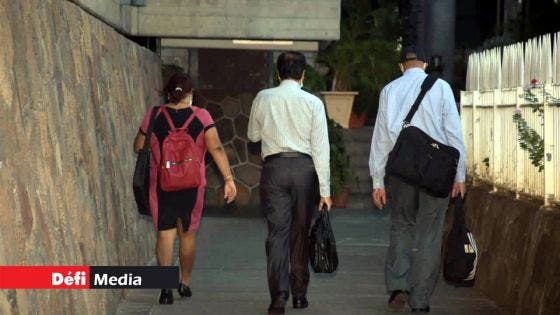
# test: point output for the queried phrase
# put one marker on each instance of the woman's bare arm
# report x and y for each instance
(214, 146)
(139, 142)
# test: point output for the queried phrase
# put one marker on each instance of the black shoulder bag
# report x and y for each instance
(141, 179)
(419, 160)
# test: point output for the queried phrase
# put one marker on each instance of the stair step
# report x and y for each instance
(359, 163)
(361, 171)
(358, 150)
(358, 135)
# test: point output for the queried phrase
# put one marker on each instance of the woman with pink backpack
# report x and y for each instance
(181, 134)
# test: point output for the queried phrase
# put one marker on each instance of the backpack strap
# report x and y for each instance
(191, 118)
(170, 121)
(167, 117)
(426, 86)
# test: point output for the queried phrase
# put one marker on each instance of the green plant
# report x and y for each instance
(341, 173)
(529, 139)
(314, 81)
(365, 57)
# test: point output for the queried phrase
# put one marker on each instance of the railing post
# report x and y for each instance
(475, 128)
(496, 162)
(549, 172)
(519, 166)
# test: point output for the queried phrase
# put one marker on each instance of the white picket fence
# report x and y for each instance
(495, 82)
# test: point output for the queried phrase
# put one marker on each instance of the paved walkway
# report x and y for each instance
(230, 274)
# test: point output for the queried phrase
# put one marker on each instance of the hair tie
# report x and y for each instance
(178, 89)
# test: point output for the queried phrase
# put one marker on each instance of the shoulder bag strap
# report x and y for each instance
(426, 86)
(146, 147)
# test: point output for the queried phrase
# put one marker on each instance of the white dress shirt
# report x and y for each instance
(437, 116)
(288, 119)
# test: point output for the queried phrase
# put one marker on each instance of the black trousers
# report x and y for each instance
(289, 196)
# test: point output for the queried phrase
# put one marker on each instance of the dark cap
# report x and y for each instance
(410, 53)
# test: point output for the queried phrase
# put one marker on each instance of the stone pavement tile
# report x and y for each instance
(230, 274)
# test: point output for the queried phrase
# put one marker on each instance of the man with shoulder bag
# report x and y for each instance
(417, 161)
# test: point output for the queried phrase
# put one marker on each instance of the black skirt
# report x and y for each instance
(175, 205)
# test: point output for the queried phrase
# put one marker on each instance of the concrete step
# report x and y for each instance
(358, 135)
(359, 165)
(356, 149)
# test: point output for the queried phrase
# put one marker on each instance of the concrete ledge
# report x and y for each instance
(519, 244)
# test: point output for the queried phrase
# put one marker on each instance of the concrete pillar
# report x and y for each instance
(441, 34)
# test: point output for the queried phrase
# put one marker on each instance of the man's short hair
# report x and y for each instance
(413, 53)
(290, 65)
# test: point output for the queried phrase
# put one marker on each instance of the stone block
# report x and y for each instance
(242, 199)
(248, 174)
(241, 148)
(243, 194)
(213, 176)
(231, 155)
(225, 129)
(231, 107)
(215, 110)
(246, 100)
(255, 159)
(241, 123)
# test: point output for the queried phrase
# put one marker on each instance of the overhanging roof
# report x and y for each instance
(240, 44)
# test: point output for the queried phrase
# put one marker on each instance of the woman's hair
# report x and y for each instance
(177, 87)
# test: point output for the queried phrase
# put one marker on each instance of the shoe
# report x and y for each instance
(397, 301)
(166, 296)
(300, 302)
(277, 306)
(272, 309)
(184, 290)
(421, 310)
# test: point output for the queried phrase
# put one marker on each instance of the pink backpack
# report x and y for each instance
(180, 158)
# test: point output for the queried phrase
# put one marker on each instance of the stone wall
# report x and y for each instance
(519, 245)
(231, 115)
(72, 94)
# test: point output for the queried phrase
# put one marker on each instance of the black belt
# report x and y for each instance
(287, 155)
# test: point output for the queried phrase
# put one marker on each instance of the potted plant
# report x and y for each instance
(342, 176)
(364, 59)
(339, 101)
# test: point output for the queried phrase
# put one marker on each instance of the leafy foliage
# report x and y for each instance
(314, 81)
(341, 173)
(530, 141)
(365, 57)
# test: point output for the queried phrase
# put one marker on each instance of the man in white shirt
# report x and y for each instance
(292, 126)
(415, 215)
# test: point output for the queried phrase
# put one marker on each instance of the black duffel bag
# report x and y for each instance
(461, 253)
(322, 250)
(421, 161)
(141, 178)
